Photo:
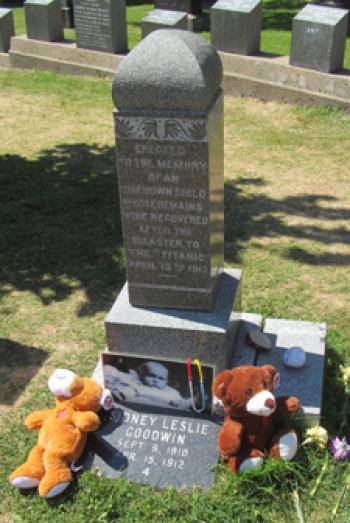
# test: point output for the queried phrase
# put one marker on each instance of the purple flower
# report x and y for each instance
(340, 448)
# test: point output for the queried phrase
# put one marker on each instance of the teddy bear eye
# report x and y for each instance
(249, 392)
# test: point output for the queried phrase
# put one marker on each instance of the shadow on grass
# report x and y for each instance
(60, 226)
(18, 364)
(258, 215)
(279, 15)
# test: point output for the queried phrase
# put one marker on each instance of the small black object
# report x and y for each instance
(258, 340)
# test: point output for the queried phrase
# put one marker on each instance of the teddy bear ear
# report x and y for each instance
(270, 373)
(221, 383)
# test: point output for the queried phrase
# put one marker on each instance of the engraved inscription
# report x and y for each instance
(163, 188)
(93, 24)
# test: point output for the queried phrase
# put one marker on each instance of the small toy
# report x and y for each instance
(295, 357)
(249, 429)
(63, 433)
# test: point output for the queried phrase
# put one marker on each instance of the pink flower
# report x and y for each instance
(340, 448)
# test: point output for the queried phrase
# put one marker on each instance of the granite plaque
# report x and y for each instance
(101, 25)
(162, 19)
(44, 20)
(169, 134)
(188, 6)
(7, 29)
(156, 447)
(318, 38)
(236, 26)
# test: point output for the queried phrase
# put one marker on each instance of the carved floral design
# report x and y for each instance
(161, 129)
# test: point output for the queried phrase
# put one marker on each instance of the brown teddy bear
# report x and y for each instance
(252, 411)
(63, 433)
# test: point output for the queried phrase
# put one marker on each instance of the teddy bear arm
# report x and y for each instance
(86, 421)
(36, 419)
(287, 404)
(230, 438)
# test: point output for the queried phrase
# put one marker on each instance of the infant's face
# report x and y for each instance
(155, 375)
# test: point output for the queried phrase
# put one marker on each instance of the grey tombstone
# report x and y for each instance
(7, 29)
(307, 382)
(161, 448)
(162, 19)
(101, 25)
(236, 26)
(44, 20)
(67, 13)
(318, 38)
(169, 132)
(188, 6)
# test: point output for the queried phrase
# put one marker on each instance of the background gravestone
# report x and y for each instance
(7, 29)
(67, 13)
(101, 25)
(44, 20)
(162, 19)
(236, 26)
(188, 6)
(169, 132)
(318, 38)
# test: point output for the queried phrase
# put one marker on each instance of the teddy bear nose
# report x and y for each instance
(269, 403)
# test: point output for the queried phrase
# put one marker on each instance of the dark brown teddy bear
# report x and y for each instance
(249, 430)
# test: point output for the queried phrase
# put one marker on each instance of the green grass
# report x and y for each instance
(287, 205)
(275, 36)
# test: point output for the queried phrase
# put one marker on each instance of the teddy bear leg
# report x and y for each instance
(250, 459)
(30, 473)
(284, 445)
(57, 475)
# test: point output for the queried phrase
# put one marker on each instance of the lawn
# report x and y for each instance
(275, 36)
(287, 210)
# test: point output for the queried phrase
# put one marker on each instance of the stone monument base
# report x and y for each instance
(178, 334)
(4, 61)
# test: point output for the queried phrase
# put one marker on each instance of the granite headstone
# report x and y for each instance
(44, 20)
(188, 6)
(169, 133)
(67, 13)
(156, 447)
(318, 38)
(101, 25)
(162, 19)
(236, 26)
(7, 29)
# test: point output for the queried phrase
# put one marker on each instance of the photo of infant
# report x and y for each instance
(150, 382)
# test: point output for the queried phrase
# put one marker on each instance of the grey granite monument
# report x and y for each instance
(318, 38)
(236, 26)
(162, 19)
(7, 29)
(101, 25)
(188, 6)
(169, 132)
(44, 20)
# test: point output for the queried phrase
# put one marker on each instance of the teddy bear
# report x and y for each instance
(63, 433)
(249, 430)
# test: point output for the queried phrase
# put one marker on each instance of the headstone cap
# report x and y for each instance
(169, 69)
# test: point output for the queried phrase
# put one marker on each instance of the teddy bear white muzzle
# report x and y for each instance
(262, 404)
(106, 400)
